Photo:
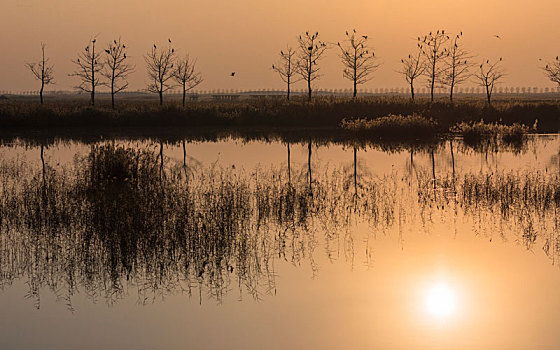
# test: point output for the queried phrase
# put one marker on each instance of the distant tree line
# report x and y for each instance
(439, 57)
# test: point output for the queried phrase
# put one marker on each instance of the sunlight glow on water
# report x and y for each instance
(441, 300)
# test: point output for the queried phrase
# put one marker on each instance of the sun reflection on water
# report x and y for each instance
(441, 300)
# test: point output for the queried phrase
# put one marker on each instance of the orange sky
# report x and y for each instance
(245, 35)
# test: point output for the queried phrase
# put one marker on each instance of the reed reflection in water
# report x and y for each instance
(122, 219)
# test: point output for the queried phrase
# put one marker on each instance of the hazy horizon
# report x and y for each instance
(246, 36)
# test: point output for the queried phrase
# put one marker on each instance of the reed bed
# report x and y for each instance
(122, 219)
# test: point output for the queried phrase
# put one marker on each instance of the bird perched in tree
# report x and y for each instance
(169, 40)
(364, 36)
(232, 74)
(497, 36)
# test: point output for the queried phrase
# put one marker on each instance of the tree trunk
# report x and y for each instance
(160, 97)
(355, 89)
(309, 89)
(412, 90)
(41, 91)
(184, 94)
(288, 96)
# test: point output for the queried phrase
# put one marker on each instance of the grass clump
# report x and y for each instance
(479, 132)
(412, 126)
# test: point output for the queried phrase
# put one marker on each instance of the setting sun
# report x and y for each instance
(441, 300)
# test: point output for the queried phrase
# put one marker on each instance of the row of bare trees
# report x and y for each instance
(302, 63)
(112, 67)
(444, 61)
(439, 57)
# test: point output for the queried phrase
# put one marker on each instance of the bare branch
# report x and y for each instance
(287, 67)
(413, 67)
(434, 48)
(160, 69)
(186, 76)
(311, 49)
(116, 68)
(457, 65)
(89, 66)
(552, 71)
(489, 75)
(358, 59)
(42, 71)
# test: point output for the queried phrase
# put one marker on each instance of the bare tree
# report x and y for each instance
(116, 68)
(434, 47)
(89, 68)
(489, 75)
(287, 68)
(42, 71)
(552, 71)
(413, 67)
(186, 75)
(160, 69)
(358, 62)
(458, 64)
(311, 49)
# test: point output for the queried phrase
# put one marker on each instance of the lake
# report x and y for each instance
(232, 244)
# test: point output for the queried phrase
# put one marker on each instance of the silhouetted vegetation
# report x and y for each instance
(359, 63)
(261, 115)
(116, 68)
(160, 69)
(89, 68)
(395, 127)
(475, 133)
(42, 71)
(122, 219)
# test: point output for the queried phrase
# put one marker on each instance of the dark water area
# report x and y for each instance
(146, 244)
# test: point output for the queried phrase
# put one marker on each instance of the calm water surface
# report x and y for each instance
(234, 245)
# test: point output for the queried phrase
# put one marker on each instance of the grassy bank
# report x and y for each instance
(323, 113)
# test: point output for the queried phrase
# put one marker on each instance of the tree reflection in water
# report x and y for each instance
(120, 219)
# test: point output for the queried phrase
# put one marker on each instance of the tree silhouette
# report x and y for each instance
(311, 49)
(458, 64)
(552, 71)
(89, 67)
(116, 68)
(413, 67)
(160, 69)
(489, 75)
(186, 75)
(42, 71)
(358, 60)
(287, 68)
(435, 51)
